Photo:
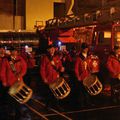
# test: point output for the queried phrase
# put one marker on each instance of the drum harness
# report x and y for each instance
(43, 116)
(62, 89)
(13, 68)
(93, 86)
(53, 64)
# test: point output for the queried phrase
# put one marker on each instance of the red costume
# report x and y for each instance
(81, 68)
(113, 65)
(0, 65)
(8, 77)
(48, 73)
(30, 61)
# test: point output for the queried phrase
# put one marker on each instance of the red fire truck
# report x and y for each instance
(102, 34)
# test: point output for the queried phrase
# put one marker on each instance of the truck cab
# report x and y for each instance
(101, 38)
(105, 37)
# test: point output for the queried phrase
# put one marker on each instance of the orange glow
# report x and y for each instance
(107, 34)
(118, 36)
(67, 39)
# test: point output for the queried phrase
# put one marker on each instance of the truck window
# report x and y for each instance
(117, 37)
(104, 38)
(116, 30)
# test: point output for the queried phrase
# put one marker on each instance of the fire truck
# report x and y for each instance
(100, 29)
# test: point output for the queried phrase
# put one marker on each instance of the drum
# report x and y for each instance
(93, 63)
(60, 88)
(20, 92)
(93, 85)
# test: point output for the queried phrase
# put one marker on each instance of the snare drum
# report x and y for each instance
(60, 88)
(20, 92)
(93, 85)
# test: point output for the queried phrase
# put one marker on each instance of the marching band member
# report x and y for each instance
(113, 63)
(13, 69)
(48, 73)
(2, 54)
(50, 69)
(81, 72)
(10, 77)
(29, 57)
(113, 66)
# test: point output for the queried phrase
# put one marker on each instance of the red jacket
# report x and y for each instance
(47, 71)
(8, 77)
(0, 65)
(113, 65)
(29, 59)
(81, 69)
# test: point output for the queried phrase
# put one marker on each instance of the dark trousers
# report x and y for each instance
(84, 98)
(11, 108)
(115, 89)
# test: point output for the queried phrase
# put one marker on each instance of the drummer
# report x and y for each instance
(11, 76)
(13, 69)
(113, 66)
(2, 54)
(81, 72)
(50, 68)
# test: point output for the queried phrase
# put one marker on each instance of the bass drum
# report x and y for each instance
(93, 85)
(20, 92)
(60, 88)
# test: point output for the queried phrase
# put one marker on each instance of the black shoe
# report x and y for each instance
(82, 106)
(115, 101)
(90, 104)
(48, 106)
(60, 108)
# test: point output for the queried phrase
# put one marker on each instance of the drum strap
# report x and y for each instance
(12, 67)
(54, 67)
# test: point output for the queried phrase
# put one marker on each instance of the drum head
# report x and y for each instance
(15, 88)
(57, 83)
(89, 80)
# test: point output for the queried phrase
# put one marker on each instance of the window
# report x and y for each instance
(104, 38)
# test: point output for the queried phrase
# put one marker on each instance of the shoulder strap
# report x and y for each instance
(51, 59)
(12, 66)
(14, 69)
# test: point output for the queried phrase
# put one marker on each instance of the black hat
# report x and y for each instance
(84, 45)
(12, 48)
(116, 47)
(50, 46)
(1, 46)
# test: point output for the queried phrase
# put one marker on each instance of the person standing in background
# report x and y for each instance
(13, 69)
(81, 72)
(2, 55)
(113, 66)
(50, 70)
